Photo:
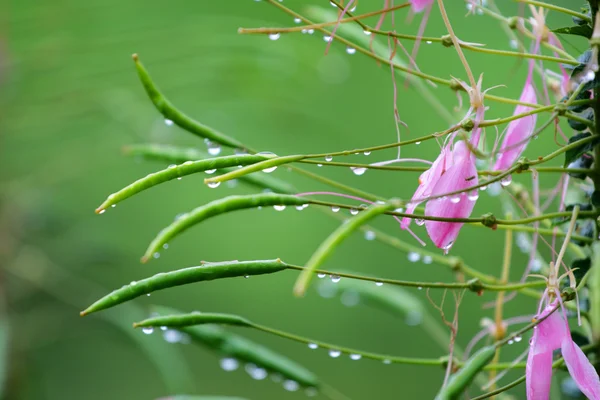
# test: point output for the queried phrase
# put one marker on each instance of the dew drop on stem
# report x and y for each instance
(279, 207)
(213, 185)
(229, 364)
(148, 330)
(335, 209)
(274, 36)
(291, 386)
(334, 353)
(313, 346)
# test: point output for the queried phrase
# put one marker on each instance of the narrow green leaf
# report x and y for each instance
(266, 164)
(195, 318)
(174, 172)
(205, 272)
(4, 349)
(179, 118)
(333, 241)
(172, 154)
(578, 30)
(461, 380)
(246, 351)
(218, 207)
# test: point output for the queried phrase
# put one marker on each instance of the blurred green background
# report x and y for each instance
(70, 100)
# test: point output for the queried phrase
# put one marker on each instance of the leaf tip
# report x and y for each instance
(100, 210)
(144, 259)
(135, 57)
(83, 313)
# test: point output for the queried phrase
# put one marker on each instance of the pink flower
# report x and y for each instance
(551, 334)
(420, 5)
(427, 181)
(519, 131)
(459, 175)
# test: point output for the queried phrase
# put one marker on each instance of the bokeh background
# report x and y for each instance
(70, 100)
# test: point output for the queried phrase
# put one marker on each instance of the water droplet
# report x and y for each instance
(148, 330)
(101, 211)
(370, 235)
(358, 170)
(319, 165)
(334, 353)
(156, 255)
(168, 122)
(279, 207)
(368, 33)
(427, 260)
(387, 362)
(366, 153)
(171, 166)
(536, 265)
(327, 38)
(513, 44)
(413, 256)
(507, 180)
(210, 171)
(350, 50)
(413, 318)
(291, 386)
(163, 328)
(335, 209)
(313, 346)
(518, 339)
(378, 283)
(447, 247)
(172, 336)
(297, 20)
(133, 283)
(419, 288)
(417, 143)
(114, 205)
(355, 357)
(213, 148)
(473, 195)
(179, 178)
(213, 185)
(455, 199)
(335, 278)
(419, 221)
(353, 211)
(429, 42)
(328, 158)
(510, 341)
(311, 31)
(246, 276)
(229, 364)
(274, 36)
(304, 31)
(484, 188)
(256, 372)
(321, 276)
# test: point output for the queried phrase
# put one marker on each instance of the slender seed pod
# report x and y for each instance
(242, 349)
(206, 272)
(179, 118)
(173, 154)
(459, 382)
(174, 172)
(195, 318)
(218, 207)
(238, 173)
(328, 246)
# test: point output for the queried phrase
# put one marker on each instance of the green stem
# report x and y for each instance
(556, 8)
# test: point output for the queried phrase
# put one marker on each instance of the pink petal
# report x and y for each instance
(550, 333)
(461, 175)
(538, 375)
(581, 370)
(420, 5)
(516, 138)
(427, 181)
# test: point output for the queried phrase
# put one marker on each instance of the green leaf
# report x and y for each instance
(578, 30)
(572, 154)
